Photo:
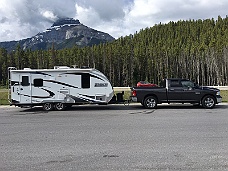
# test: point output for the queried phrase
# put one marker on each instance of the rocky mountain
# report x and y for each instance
(64, 33)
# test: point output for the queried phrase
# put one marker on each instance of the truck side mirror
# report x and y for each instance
(190, 88)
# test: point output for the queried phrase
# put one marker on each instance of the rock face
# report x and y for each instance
(64, 33)
(65, 21)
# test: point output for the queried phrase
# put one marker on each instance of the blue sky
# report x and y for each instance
(21, 19)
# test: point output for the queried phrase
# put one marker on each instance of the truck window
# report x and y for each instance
(188, 84)
(38, 82)
(162, 83)
(85, 80)
(175, 83)
(25, 81)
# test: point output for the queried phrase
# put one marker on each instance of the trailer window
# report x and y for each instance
(85, 79)
(25, 81)
(38, 82)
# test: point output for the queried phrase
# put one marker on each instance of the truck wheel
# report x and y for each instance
(60, 106)
(150, 102)
(208, 102)
(48, 106)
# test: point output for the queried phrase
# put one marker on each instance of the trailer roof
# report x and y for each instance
(55, 70)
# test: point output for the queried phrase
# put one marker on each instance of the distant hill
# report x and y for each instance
(64, 33)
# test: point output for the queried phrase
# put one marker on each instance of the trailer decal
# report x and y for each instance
(38, 97)
(57, 82)
(92, 97)
(94, 76)
(41, 73)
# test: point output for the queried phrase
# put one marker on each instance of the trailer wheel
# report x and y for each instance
(60, 106)
(150, 102)
(208, 102)
(48, 106)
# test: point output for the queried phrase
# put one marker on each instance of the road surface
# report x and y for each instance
(114, 137)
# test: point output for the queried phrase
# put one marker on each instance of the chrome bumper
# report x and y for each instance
(134, 99)
(219, 99)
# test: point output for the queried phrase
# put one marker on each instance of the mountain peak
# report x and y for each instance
(66, 21)
(64, 33)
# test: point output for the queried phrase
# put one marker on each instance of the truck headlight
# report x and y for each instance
(218, 93)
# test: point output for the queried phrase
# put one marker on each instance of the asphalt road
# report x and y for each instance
(114, 137)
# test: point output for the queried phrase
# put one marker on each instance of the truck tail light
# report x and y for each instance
(133, 93)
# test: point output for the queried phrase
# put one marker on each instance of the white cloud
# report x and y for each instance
(24, 18)
(87, 15)
(106, 10)
(144, 9)
(49, 15)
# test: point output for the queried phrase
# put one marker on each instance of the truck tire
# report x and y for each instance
(48, 106)
(150, 102)
(208, 102)
(60, 106)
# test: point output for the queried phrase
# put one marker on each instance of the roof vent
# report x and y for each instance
(61, 67)
(85, 67)
(27, 69)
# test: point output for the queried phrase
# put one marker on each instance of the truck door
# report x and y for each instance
(175, 90)
(25, 89)
(190, 94)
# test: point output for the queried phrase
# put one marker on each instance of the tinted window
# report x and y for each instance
(38, 82)
(85, 78)
(25, 81)
(187, 84)
(175, 83)
(163, 83)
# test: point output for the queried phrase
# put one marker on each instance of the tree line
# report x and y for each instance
(193, 49)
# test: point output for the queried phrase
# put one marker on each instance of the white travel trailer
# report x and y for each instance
(58, 88)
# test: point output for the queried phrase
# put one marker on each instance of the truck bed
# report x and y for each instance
(159, 92)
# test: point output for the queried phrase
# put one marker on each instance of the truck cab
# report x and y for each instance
(183, 90)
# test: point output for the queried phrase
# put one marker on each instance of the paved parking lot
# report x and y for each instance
(114, 137)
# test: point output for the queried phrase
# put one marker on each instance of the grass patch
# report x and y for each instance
(224, 94)
(4, 97)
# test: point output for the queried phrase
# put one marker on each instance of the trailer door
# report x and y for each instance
(25, 90)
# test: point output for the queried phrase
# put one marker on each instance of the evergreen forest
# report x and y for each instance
(192, 49)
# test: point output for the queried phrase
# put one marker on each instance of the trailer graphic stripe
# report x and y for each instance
(57, 82)
(41, 73)
(51, 94)
(81, 99)
(92, 97)
(94, 76)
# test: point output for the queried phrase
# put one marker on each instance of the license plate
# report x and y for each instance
(134, 99)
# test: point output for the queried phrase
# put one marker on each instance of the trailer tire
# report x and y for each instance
(48, 106)
(60, 106)
(208, 102)
(150, 102)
